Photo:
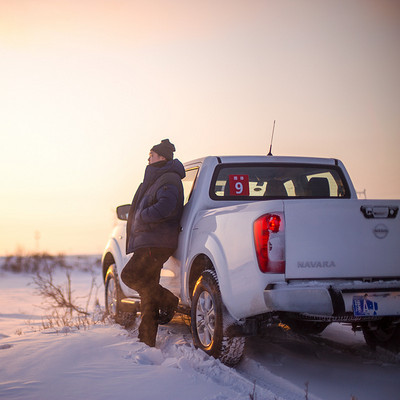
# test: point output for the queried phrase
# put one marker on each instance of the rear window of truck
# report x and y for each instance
(277, 181)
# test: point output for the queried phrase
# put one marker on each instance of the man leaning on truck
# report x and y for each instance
(152, 235)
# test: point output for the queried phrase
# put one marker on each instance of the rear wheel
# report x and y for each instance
(384, 334)
(207, 316)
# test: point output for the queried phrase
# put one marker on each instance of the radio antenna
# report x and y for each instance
(272, 138)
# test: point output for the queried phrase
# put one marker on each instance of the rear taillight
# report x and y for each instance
(269, 240)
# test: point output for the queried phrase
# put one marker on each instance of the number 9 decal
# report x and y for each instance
(238, 185)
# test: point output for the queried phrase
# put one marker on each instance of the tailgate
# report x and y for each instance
(334, 238)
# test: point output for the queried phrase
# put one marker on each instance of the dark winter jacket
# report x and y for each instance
(156, 210)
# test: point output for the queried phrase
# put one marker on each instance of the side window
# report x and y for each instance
(188, 183)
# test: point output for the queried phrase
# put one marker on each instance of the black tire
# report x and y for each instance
(207, 316)
(384, 334)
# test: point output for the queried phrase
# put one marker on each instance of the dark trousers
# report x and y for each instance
(142, 273)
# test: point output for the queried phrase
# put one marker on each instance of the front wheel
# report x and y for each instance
(207, 316)
(113, 298)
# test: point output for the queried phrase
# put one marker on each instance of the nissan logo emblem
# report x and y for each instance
(381, 231)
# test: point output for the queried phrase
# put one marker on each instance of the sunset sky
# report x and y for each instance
(87, 87)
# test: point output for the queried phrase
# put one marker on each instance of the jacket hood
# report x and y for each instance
(177, 167)
(160, 168)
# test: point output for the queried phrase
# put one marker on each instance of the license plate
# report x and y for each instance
(364, 306)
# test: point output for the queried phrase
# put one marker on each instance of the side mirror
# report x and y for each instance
(123, 211)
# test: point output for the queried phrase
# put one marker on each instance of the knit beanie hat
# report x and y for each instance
(165, 149)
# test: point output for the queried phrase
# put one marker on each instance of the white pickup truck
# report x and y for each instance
(268, 240)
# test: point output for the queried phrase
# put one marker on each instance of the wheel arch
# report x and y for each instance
(200, 264)
(216, 262)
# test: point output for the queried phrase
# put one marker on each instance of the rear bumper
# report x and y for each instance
(334, 298)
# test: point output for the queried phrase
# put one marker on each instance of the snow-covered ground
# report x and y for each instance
(106, 361)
